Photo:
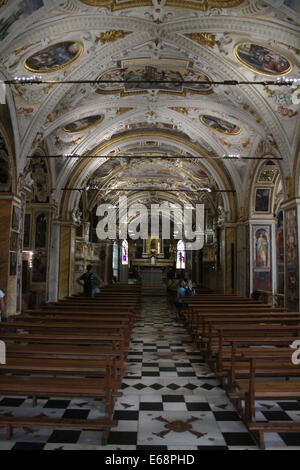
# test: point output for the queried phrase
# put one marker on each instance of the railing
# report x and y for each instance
(276, 300)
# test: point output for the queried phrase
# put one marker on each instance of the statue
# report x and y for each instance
(76, 216)
(221, 216)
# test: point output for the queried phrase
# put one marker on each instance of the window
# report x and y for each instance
(116, 260)
(181, 255)
(125, 253)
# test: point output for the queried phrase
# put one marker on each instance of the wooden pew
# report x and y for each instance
(74, 348)
(252, 390)
(248, 345)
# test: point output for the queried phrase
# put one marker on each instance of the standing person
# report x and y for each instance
(189, 290)
(2, 306)
(90, 282)
(180, 296)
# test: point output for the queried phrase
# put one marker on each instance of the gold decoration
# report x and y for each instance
(269, 92)
(52, 116)
(111, 36)
(24, 48)
(123, 111)
(77, 141)
(205, 39)
(294, 49)
(20, 90)
(47, 89)
(203, 5)
(181, 110)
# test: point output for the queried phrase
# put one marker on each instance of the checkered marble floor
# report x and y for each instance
(171, 401)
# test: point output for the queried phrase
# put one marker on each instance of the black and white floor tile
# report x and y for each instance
(170, 401)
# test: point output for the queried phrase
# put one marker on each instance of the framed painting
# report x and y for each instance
(263, 200)
(220, 125)
(262, 248)
(41, 229)
(14, 239)
(54, 58)
(262, 60)
(27, 230)
(83, 124)
(13, 264)
(15, 223)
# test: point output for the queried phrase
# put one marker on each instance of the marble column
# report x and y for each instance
(67, 259)
(292, 253)
(241, 254)
(8, 278)
(109, 263)
(230, 258)
(54, 262)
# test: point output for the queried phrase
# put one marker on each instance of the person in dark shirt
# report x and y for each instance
(90, 282)
(180, 298)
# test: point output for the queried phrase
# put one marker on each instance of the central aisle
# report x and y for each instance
(171, 400)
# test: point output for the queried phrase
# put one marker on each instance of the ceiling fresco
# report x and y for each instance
(202, 5)
(140, 76)
(136, 79)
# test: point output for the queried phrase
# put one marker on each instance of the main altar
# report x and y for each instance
(154, 263)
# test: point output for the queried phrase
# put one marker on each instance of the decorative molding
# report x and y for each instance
(111, 36)
(205, 39)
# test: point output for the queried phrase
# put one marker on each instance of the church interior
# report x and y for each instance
(177, 102)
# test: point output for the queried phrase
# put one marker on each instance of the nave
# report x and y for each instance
(170, 400)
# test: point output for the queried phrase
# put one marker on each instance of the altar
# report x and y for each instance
(152, 277)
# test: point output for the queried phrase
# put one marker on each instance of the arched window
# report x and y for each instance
(116, 260)
(125, 253)
(181, 255)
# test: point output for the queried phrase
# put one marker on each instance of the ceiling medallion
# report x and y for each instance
(111, 36)
(202, 5)
(219, 125)
(205, 39)
(262, 60)
(54, 58)
(83, 124)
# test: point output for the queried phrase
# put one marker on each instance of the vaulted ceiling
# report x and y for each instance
(153, 40)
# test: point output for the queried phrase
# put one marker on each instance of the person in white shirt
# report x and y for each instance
(2, 295)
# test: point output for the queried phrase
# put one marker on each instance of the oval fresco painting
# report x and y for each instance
(54, 57)
(219, 125)
(261, 60)
(83, 124)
